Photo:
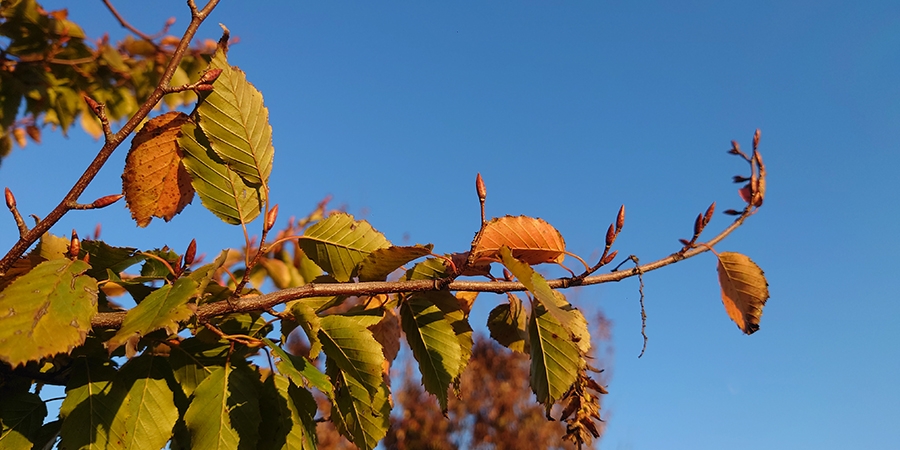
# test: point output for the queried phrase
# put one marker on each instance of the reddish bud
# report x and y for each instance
(170, 21)
(210, 76)
(106, 201)
(74, 246)
(609, 258)
(507, 274)
(610, 235)
(95, 107)
(685, 242)
(709, 213)
(203, 87)
(97, 231)
(735, 147)
(698, 225)
(34, 133)
(10, 199)
(732, 212)
(479, 187)
(620, 219)
(756, 140)
(271, 216)
(190, 253)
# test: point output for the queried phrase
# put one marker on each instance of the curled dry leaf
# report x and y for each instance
(155, 181)
(532, 241)
(744, 290)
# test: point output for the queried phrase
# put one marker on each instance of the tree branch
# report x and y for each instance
(24, 242)
(266, 301)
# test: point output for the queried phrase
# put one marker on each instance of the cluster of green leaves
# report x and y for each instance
(47, 64)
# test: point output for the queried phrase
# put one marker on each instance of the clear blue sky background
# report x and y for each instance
(570, 109)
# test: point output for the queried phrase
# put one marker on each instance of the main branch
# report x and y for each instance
(266, 301)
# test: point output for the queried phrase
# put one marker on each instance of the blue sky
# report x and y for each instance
(570, 109)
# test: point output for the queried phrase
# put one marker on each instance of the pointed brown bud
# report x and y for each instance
(271, 216)
(610, 235)
(740, 179)
(479, 187)
(190, 253)
(698, 225)
(685, 242)
(34, 133)
(74, 246)
(203, 87)
(709, 213)
(620, 219)
(209, 76)
(97, 231)
(609, 258)
(95, 107)
(507, 274)
(756, 140)
(735, 147)
(10, 199)
(106, 200)
(732, 212)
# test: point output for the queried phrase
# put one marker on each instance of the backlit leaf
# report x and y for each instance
(46, 311)
(301, 371)
(224, 410)
(21, 417)
(360, 416)
(507, 323)
(353, 349)
(744, 290)
(532, 240)
(339, 243)
(236, 122)
(222, 191)
(433, 343)
(164, 308)
(86, 414)
(380, 263)
(555, 357)
(155, 182)
(288, 416)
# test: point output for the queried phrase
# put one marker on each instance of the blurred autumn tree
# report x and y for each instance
(209, 356)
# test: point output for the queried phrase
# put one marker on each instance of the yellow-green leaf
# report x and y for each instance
(46, 311)
(433, 343)
(339, 243)
(380, 263)
(224, 410)
(353, 349)
(555, 356)
(536, 284)
(164, 308)
(362, 417)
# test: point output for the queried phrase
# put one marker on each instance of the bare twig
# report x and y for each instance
(261, 302)
(127, 25)
(112, 143)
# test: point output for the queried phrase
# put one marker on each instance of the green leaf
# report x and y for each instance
(361, 417)
(380, 263)
(164, 308)
(338, 244)
(46, 311)
(306, 318)
(21, 416)
(433, 344)
(354, 351)
(299, 370)
(288, 416)
(537, 285)
(507, 323)
(222, 191)
(237, 123)
(85, 413)
(146, 405)
(193, 360)
(224, 411)
(105, 256)
(430, 269)
(555, 357)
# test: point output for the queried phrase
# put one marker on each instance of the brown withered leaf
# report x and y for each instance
(532, 241)
(744, 290)
(155, 181)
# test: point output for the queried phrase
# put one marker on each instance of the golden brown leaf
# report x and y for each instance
(744, 290)
(155, 181)
(532, 241)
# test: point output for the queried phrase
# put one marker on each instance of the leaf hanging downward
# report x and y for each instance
(532, 241)
(155, 182)
(744, 290)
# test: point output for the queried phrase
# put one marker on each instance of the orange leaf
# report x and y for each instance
(532, 241)
(744, 290)
(155, 181)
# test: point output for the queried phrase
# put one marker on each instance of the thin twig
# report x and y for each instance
(127, 25)
(24, 242)
(261, 302)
